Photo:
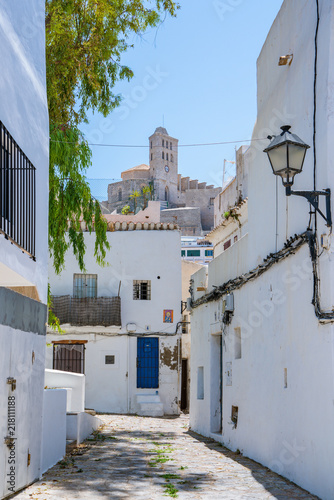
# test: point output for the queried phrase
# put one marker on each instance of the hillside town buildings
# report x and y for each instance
(185, 202)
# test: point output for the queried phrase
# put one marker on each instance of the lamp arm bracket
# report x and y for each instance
(313, 198)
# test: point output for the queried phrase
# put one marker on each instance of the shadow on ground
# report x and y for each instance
(121, 463)
(275, 484)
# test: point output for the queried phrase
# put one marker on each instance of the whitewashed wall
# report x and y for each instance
(74, 381)
(283, 382)
(54, 427)
(23, 111)
(134, 255)
(22, 359)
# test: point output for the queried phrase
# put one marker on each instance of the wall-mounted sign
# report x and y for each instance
(168, 315)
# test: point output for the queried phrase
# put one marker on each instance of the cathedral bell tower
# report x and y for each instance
(163, 151)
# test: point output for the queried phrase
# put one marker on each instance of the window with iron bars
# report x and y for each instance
(84, 286)
(17, 194)
(141, 290)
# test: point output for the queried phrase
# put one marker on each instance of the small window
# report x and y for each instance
(119, 195)
(183, 253)
(193, 253)
(285, 378)
(69, 357)
(235, 239)
(163, 155)
(141, 290)
(170, 145)
(167, 156)
(171, 158)
(163, 143)
(227, 244)
(151, 156)
(84, 286)
(200, 382)
(208, 253)
(151, 145)
(212, 201)
(234, 415)
(110, 359)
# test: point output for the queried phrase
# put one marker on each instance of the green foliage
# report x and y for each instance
(232, 213)
(126, 210)
(146, 190)
(170, 490)
(133, 196)
(53, 321)
(84, 43)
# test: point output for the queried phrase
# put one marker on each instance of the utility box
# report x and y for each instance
(228, 303)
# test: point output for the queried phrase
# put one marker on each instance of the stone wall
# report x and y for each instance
(125, 188)
(204, 200)
(188, 219)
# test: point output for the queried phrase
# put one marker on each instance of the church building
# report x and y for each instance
(186, 202)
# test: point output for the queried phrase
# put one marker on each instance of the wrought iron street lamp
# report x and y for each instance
(286, 154)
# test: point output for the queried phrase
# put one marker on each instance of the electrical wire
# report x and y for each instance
(290, 248)
(148, 147)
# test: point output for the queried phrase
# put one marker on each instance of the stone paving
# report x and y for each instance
(155, 458)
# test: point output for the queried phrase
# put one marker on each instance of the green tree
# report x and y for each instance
(146, 190)
(133, 196)
(84, 43)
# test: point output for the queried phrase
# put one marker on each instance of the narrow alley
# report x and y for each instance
(155, 458)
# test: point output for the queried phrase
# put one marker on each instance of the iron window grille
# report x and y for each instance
(17, 194)
(84, 286)
(141, 290)
(69, 357)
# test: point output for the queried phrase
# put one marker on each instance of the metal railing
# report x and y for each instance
(98, 311)
(17, 194)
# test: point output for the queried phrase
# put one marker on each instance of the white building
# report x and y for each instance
(196, 249)
(122, 321)
(262, 371)
(24, 148)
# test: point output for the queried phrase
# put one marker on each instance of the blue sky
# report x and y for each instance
(198, 71)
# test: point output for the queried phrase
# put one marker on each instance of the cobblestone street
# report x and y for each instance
(135, 457)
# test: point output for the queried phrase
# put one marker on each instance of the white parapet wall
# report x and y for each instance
(68, 380)
(53, 428)
(80, 425)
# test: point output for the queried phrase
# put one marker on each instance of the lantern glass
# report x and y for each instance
(286, 154)
(296, 157)
(278, 158)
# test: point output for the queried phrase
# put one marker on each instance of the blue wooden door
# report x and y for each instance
(147, 363)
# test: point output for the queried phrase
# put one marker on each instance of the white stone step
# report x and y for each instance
(149, 405)
(151, 410)
(148, 398)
